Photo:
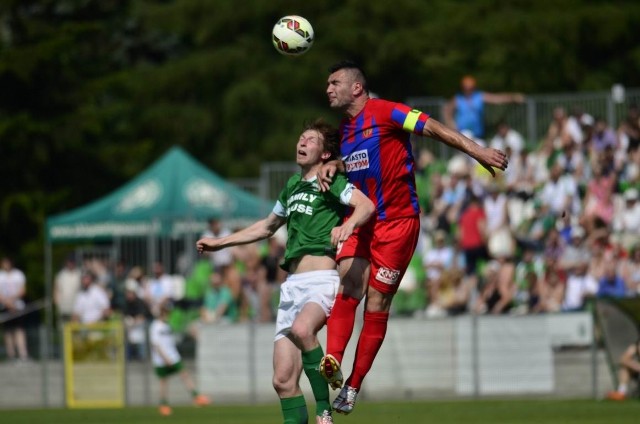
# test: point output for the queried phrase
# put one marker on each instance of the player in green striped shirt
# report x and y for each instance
(315, 227)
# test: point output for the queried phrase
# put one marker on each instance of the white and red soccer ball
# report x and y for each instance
(292, 35)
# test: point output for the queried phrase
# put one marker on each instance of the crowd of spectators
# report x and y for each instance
(561, 225)
(229, 286)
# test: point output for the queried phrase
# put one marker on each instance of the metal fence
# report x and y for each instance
(550, 355)
(533, 117)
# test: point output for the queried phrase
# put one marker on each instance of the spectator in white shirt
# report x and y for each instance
(507, 137)
(12, 291)
(92, 302)
(626, 219)
(438, 258)
(560, 193)
(495, 208)
(158, 289)
(66, 288)
(222, 258)
(580, 286)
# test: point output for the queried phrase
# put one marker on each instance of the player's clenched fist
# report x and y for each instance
(207, 244)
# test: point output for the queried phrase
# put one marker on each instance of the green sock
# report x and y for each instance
(194, 393)
(294, 410)
(310, 362)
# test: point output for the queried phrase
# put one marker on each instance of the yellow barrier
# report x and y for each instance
(94, 365)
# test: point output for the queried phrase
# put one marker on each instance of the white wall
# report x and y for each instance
(419, 358)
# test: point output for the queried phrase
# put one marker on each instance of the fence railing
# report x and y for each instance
(533, 117)
(466, 356)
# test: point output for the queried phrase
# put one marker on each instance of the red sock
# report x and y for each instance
(340, 325)
(374, 329)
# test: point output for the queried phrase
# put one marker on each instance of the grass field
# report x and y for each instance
(467, 412)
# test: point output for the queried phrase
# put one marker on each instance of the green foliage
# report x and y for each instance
(95, 90)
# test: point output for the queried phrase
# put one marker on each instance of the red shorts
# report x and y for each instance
(388, 246)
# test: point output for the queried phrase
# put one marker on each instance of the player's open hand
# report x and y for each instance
(207, 244)
(325, 175)
(492, 159)
(341, 234)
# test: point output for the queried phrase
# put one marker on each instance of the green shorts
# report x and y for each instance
(167, 370)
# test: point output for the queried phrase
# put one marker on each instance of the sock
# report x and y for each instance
(340, 325)
(310, 362)
(294, 410)
(622, 388)
(194, 393)
(372, 335)
(163, 402)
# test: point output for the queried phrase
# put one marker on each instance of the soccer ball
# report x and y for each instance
(292, 35)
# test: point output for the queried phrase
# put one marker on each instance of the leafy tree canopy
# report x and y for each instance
(95, 90)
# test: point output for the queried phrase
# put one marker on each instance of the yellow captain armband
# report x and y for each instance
(411, 120)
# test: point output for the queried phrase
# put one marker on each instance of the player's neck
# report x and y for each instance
(310, 172)
(356, 106)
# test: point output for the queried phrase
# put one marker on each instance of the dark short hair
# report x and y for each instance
(88, 273)
(330, 135)
(354, 67)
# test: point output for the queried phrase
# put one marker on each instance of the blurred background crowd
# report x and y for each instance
(561, 225)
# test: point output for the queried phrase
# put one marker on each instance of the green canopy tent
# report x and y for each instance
(163, 200)
(156, 216)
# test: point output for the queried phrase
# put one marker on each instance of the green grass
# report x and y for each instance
(466, 412)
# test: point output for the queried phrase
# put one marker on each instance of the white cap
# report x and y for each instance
(457, 165)
(631, 194)
(587, 120)
(131, 285)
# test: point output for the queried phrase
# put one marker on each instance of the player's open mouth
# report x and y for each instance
(301, 153)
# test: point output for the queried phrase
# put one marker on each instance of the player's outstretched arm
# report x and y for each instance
(502, 98)
(363, 209)
(258, 231)
(486, 156)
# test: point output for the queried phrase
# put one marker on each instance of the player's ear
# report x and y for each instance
(325, 156)
(357, 88)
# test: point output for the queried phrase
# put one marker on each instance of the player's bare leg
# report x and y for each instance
(291, 356)
(9, 344)
(21, 343)
(287, 367)
(304, 334)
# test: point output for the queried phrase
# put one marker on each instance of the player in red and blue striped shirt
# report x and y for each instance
(378, 158)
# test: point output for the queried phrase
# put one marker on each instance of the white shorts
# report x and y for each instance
(318, 287)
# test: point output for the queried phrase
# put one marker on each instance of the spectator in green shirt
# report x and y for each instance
(218, 303)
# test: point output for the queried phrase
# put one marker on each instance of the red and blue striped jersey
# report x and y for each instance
(376, 149)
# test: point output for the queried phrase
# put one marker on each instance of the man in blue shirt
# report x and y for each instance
(465, 111)
(611, 284)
